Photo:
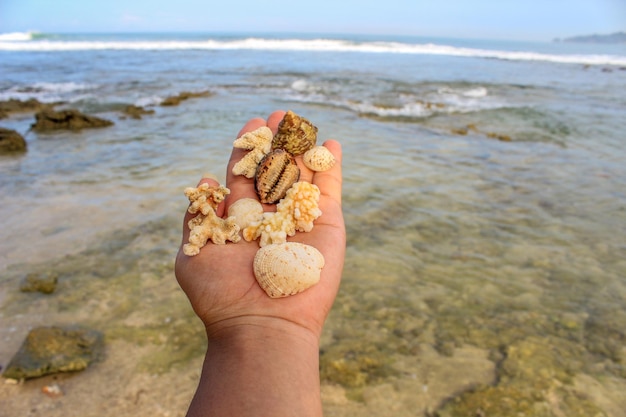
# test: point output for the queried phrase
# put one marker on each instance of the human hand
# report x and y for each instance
(219, 281)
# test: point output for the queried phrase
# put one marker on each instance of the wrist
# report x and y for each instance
(245, 331)
(259, 366)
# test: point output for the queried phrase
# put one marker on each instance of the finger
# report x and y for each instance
(330, 181)
(240, 186)
(274, 119)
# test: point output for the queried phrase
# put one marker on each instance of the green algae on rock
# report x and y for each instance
(50, 350)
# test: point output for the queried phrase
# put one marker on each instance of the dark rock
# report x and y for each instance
(20, 106)
(45, 283)
(185, 95)
(11, 141)
(50, 350)
(48, 119)
(136, 111)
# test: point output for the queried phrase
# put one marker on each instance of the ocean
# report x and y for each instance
(484, 197)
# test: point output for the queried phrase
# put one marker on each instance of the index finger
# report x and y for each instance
(240, 186)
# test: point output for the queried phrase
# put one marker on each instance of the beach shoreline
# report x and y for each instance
(483, 199)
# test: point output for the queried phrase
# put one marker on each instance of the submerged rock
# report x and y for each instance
(185, 95)
(48, 119)
(50, 350)
(500, 136)
(11, 141)
(20, 106)
(45, 283)
(136, 111)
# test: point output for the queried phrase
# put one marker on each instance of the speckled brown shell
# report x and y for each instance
(295, 134)
(276, 173)
(287, 268)
(318, 158)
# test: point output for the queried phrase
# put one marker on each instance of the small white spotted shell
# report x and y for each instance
(318, 158)
(246, 211)
(287, 268)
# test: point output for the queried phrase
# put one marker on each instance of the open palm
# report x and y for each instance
(219, 281)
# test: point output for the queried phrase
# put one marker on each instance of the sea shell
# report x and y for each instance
(287, 268)
(246, 211)
(276, 173)
(295, 134)
(318, 158)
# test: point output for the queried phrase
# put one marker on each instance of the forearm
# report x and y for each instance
(259, 370)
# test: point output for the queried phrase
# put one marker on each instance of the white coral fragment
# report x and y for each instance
(207, 225)
(295, 212)
(259, 144)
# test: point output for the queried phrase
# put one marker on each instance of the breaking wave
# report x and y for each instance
(39, 42)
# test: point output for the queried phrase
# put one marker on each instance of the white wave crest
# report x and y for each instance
(314, 45)
(16, 36)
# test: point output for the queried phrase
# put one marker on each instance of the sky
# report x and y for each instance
(485, 19)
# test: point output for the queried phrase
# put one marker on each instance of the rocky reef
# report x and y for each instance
(11, 106)
(50, 350)
(136, 112)
(11, 141)
(185, 95)
(72, 119)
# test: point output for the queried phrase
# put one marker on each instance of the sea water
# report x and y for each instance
(484, 197)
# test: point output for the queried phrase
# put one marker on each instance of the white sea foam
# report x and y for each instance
(149, 101)
(314, 45)
(47, 92)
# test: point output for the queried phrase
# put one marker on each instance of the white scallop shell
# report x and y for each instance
(246, 211)
(287, 268)
(318, 158)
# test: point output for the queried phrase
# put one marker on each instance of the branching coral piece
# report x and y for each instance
(295, 212)
(205, 198)
(259, 143)
(207, 225)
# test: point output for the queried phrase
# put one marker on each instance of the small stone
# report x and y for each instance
(52, 390)
(45, 283)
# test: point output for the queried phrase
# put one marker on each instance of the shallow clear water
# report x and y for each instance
(484, 201)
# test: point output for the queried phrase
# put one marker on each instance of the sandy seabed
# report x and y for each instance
(113, 387)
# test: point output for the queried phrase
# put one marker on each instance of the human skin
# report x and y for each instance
(263, 353)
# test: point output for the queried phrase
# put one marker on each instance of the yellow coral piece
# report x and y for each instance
(259, 143)
(207, 225)
(295, 212)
